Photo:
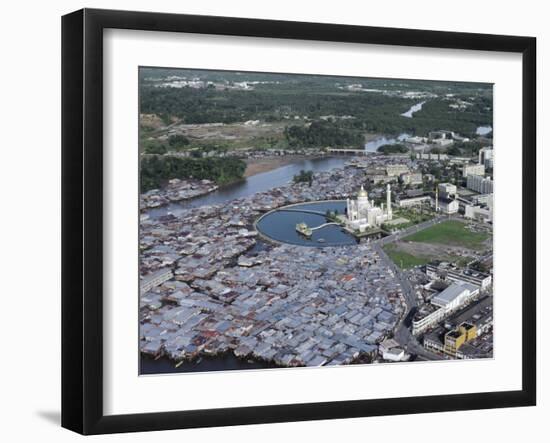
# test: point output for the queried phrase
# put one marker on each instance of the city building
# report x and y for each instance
(477, 278)
(466, 333)
(363, 214)
(415, 201)
(412, 178)
(431, 156)
(473, 170)
(396, 170)
(445, 303)
(480, 184)
(441, 138)
(448, 206)
(394, 354)
(479, 313)
(456, 338)
(445, 199)
(380, 178)
(446, 190)
(486, 157)
(484, 214)
(455, 295)
(482, 199)
(422, 323)
(416, 140)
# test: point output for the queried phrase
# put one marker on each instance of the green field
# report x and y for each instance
(403, 259)
(453, 233)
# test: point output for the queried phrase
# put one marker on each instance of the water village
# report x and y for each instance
(211, 284)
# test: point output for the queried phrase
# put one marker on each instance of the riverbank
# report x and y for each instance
(265, 164)
(176, 190)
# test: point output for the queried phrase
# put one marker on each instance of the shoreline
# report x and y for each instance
(187, 364)
(254, 166)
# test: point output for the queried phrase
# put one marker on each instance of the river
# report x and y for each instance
(373, 145)
(226, 362)
(256, 183)
(413, 109)
(484, 130)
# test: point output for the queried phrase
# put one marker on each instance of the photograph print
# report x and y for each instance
(291, 220)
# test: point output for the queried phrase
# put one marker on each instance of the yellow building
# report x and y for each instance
(455, 339)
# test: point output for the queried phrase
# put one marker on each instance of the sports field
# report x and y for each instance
(453, 233)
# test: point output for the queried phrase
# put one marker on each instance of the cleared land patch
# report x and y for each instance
(453, 233)
(403, 259)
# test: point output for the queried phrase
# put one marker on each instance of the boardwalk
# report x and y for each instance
(325, 224)
(307, 211)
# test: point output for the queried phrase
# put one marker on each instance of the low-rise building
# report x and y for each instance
(484, 214)
(431, 156)
(473, 170)
(455, 295)
(456, 338)
(420, 324)
(446, 302)
(448, 206)
(411, 178)
(415, 201)
(477, 278)
(446, 190)
(394, 354)
(396, 170)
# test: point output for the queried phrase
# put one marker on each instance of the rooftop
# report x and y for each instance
(452, 292)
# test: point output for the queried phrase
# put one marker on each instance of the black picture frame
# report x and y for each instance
(82, 215)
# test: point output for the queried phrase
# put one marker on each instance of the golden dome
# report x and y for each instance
(362, 192)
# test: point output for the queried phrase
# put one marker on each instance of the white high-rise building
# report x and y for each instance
(480, 184)
(486, 156)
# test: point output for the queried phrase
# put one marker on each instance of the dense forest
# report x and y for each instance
(281, 97)
(156, 170)
(323, 133)
(393, 149)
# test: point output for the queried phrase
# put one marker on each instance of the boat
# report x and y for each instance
(303, 229)
(321, 240)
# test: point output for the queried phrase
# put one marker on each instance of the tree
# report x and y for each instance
(304, 177)
(178, 141)
(155, 148)
(393, 149)
(155, 171)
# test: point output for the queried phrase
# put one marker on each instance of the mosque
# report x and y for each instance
(363, 214)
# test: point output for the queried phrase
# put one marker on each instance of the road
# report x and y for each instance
(402, 333)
